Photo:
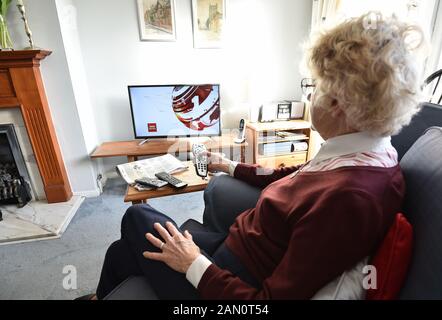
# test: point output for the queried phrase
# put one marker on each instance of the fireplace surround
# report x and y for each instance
(21, 86)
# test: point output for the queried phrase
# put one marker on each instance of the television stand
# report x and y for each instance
(132, 149)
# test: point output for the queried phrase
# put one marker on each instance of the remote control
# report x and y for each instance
(200, 159)
(174, 181)
(157, 183)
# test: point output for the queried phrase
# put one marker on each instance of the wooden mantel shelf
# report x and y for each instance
(22, 58)
(21, 86)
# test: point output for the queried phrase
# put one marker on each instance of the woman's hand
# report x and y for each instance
(217, 162)
(178, 250)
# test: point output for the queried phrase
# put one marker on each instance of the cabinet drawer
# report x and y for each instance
(283, 161)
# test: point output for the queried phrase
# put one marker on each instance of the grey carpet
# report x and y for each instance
(35, 270)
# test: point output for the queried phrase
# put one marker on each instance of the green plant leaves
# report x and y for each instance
(5, 39)
(4, 5)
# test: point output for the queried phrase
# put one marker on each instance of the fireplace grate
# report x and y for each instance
(14, 177)
(13, 187)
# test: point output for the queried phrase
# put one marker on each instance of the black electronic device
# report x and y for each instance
(174, 181)
(242, 132)
(149, 182)
(200, 159)
(281, 110)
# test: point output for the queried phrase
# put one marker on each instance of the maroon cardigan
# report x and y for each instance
(306, 229)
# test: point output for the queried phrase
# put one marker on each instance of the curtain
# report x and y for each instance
(324, 12)
(434, 61)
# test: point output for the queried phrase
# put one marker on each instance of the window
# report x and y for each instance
(418, 11)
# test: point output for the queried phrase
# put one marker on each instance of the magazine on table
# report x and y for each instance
(148, 167)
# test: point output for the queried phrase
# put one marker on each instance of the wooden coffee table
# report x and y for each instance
(194, 183)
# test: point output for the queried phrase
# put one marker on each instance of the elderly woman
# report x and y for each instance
(311, 222)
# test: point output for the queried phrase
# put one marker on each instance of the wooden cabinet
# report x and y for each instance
(279, 144)
(282, 161)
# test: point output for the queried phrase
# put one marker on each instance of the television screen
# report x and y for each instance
(175, 110)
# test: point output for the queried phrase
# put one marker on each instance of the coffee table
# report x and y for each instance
(194, 183)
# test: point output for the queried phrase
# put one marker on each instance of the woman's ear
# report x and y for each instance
(336, 110)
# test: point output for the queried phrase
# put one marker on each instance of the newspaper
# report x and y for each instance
(148, 167)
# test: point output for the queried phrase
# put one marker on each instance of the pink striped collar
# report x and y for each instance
(359, 142)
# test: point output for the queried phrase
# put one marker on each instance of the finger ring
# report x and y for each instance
(162, 245)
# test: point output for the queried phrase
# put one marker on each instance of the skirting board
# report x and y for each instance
(88, 193)
(111, 175)
(96, 192)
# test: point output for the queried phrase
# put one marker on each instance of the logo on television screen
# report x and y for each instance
(197, 107)
(152, 127)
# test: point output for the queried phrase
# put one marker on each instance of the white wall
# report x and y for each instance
(43, 20)
(259, 62)
(67, 14)
(97, 53)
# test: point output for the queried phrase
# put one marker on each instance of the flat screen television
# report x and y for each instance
(175, 110)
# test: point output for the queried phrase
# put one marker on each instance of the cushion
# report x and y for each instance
(193, 226)
(347, 286)
(133, 288)
(430, 115)
(422, 168)
(392, 260)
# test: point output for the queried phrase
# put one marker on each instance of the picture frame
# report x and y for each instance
(209, 22)
(156, 19)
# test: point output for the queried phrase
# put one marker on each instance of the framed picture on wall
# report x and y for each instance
(157, 20)
(209, 18)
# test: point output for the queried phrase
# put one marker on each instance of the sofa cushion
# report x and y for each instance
(422, 168)
(430, 115)
(193, 226)
(347, 286)
(392, 260)
(133, 288)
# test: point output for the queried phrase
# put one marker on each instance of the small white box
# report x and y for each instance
(297, 110)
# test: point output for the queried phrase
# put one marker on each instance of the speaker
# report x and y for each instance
(297, 109)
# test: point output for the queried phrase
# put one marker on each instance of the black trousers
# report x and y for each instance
(224, 199)
(124, 257)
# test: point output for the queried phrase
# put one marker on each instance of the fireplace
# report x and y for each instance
(37, 154)
(21, 87)
(14, 177)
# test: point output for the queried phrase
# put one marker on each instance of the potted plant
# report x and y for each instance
(5, 39)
